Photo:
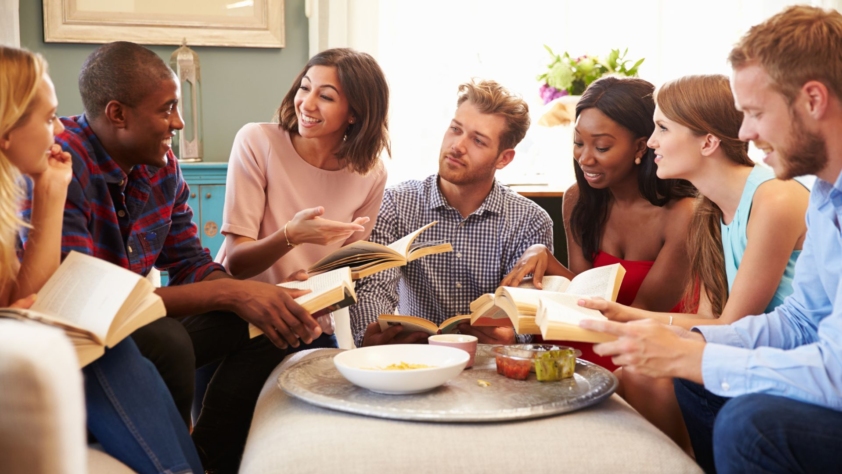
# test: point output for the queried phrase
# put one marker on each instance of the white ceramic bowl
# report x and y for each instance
(363, 367)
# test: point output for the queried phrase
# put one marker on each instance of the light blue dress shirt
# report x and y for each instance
(794, 351)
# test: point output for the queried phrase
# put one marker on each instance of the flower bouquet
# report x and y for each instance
(568, 76)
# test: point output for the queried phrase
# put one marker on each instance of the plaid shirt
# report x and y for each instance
(136, 221)
(486, 245)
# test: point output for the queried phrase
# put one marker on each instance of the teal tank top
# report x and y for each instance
(734, 238)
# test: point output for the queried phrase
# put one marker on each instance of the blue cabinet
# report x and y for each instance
(207, 198)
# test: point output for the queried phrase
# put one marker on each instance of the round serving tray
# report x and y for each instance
(315, 380)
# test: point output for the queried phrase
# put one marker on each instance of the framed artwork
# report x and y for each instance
(241, 23)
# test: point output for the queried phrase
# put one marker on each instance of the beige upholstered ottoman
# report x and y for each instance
(288, 435)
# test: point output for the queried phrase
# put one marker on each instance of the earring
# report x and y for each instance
(637, 160)
(345, 137)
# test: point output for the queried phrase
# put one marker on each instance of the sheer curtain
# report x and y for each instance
(428, 48)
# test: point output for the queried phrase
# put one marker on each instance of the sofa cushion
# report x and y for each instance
(289, 435)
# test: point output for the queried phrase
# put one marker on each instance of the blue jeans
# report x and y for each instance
(761, 433)
(132, 414)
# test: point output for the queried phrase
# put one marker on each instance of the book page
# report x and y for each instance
(564, 308)
(402, 245)
(357, 248)
(555, 283)
(596, 282)
(87, 292)
(320, 284)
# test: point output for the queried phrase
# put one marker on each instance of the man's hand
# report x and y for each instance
(489, 335)
(651, 348)
(535, 261)
(392, 335)
(273, 309)
(308, 227)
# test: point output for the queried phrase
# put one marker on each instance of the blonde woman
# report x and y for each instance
(745, 236)
(129, 410)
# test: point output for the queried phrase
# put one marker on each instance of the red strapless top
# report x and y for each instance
(636, 271)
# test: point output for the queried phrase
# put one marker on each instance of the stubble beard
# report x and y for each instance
(806, 155)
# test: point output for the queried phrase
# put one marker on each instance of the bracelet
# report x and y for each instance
(670, 323)
(289, 244)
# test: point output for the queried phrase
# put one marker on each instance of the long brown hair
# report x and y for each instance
(20, 76)
(705, 105)
(368, 98)
(628, 102)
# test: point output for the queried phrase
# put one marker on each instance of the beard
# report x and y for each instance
(806, 154)
(466, 175)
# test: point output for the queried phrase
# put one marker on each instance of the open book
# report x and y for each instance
(96, 303)
(414, 323)
(329, 291)
(366, 258)
(517, 307)
(558, 321)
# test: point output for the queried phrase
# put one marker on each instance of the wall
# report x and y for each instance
(239, 85)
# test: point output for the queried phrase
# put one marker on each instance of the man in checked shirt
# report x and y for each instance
(488, 225)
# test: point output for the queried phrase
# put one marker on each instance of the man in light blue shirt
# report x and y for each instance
(771, 393)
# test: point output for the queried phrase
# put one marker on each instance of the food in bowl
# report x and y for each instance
(404, 366)
(443, 363)
(549, 362)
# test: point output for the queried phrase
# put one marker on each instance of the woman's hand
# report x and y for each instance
(535, 261)
(24, 303)
(611, 310)
(59, 170)
(308, 227)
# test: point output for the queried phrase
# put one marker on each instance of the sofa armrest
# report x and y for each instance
(42, 411)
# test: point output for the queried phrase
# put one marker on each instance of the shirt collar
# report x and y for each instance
(492, 203)
(111, 171)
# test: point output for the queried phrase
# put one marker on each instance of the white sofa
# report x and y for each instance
(42, 409)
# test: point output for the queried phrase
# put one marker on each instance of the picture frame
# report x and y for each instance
(230, 23)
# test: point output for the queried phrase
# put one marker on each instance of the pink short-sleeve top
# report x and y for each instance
(269, 182)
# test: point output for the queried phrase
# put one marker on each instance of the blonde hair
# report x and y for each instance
(19, 80)
(797, 45)
(489, 97)
(705, 104)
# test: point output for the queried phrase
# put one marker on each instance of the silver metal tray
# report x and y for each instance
(463, 399)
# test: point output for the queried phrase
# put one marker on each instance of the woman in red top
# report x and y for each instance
(619, 211)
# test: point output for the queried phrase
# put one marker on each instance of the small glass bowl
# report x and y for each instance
(549, 362)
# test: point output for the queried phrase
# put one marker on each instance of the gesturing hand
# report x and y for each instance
(309, 227)
(392, 335)
(535, 261)
(273, 310)
(651, 348)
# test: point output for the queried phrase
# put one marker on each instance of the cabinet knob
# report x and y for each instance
(207, 195)
(192, 195)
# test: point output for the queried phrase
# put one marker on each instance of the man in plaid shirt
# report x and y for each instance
(127, 204)
(488, 225)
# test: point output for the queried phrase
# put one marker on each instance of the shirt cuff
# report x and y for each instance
(725, 369)
(724, 334)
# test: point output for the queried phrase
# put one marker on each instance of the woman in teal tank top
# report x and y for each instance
(745, 236)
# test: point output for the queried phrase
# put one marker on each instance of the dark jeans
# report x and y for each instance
(167, 345)
(759, 432)
(244, 364)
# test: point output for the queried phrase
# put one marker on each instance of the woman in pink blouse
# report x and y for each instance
(302, 188)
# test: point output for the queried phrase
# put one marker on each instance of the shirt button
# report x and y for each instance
(130, 249)
(725, 386)
(122, 182)
(458, 285)
(121, 213)
(458, 254)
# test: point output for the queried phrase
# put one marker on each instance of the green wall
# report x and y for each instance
(239, 85)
